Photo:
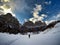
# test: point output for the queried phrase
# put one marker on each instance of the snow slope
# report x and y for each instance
(48, 37)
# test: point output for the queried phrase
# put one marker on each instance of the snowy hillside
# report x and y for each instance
(48, 37)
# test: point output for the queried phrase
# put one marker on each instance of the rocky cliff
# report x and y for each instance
(8, 23)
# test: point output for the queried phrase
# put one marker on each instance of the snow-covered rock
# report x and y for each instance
(48, 37)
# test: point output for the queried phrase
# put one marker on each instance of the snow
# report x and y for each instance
(48, 37)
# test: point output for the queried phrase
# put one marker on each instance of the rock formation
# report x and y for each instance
(10, 24)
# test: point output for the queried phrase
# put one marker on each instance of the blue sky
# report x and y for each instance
(49, 9)
(23, 8)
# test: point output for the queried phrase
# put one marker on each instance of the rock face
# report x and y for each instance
(9, 23)
(52, 24)
(36, 24)
(34, 27)
(28, 24)
(39, 23)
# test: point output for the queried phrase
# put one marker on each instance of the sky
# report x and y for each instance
(33, 10)
(30, 9)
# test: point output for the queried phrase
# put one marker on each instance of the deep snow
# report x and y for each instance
(48, 37)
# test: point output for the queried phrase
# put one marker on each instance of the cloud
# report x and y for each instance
(6, 8)
(36, 11)
(13, 6)
(25, 20)
(18, 5)
(48, 22)
(36, 16)
(53, 18)
(57, 16)
(40, 18)
(6, 0)
(47, 3)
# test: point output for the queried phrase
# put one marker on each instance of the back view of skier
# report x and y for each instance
(29, 35)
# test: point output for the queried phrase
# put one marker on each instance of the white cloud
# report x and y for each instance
(53, 18)
(36, 11)
(43, 15)
(25, 20)
(48, 22)
(18, 5)
(36, 16)
(6, 8)
(13, 5)
(39, 18)
(6, 0)
(47, 3)
(58, 16)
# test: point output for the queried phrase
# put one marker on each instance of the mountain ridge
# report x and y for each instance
(10, 24)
